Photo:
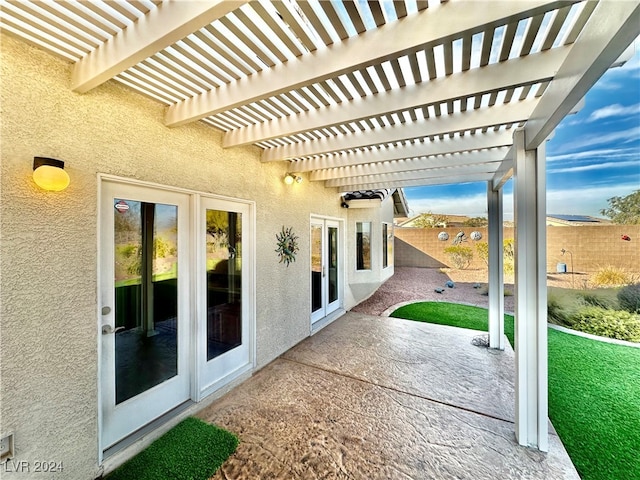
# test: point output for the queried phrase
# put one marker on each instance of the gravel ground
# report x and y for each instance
(419, 284)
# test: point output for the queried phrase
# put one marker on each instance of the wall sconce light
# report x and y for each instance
(49, 174)
(289, 178)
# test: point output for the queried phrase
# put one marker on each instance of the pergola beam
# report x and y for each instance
(506, 114)
(526, 70)
(474, 177)
(425, 148)
(412, 164)
(392, 40)
(414, 174)
(613, 26)
(160, 28)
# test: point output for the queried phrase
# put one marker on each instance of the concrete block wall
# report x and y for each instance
(591, 247)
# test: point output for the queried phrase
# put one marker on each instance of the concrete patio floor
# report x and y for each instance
(382, 398)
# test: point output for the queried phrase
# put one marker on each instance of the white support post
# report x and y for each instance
(496, 267)
(531, 295)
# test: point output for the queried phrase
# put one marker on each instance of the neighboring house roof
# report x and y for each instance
(575, 220)
(359, 95)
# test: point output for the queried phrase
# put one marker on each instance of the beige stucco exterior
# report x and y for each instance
(49, 269)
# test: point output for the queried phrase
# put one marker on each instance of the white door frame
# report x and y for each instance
(159, 399)
(327, 308)
(197, 392)
(221, 370)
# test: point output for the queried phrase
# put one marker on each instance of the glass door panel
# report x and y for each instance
(332, 244)
(316, 267)
(146, 294)
(325, 268)
(224, 286)
(224, 281)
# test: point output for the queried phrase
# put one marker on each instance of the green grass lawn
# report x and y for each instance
(594, 391)
(192, 450)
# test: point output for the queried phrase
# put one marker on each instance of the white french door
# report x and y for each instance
(224, 306)
(144, 305)
(326, 278)
(177, 301)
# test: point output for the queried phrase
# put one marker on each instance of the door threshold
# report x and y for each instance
(144, 431)
(323, 322)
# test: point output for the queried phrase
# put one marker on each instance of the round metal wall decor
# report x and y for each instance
(443, 236)
(476, 236)
(287, 245)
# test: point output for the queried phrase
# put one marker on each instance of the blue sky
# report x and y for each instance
(594, 155)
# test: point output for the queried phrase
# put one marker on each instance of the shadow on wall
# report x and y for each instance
(406, 255)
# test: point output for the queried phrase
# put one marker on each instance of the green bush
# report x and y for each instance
(629, 298)
(618, 324)
(460, 256)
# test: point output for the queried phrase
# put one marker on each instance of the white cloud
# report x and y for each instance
(589, 140)
(588, 154)
(615, 110)
(585, 201)
(596, 166)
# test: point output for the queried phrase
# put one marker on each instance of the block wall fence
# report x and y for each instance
(591, 247)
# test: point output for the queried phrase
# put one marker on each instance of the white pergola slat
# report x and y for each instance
(391, 41)
(430, 172)
(492, 78)
(411, 164)
(160, 28)
(419, 182)
(468, 142)
(470, 120)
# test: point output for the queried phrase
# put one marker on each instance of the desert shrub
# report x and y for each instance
(618, 324)
(556, 312)
(610, 276)
(593, 299)
(459, 255)
(483, 251)
(508, 254)
(484, 290)
(629, 298)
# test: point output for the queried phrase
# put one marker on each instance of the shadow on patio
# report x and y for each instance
(372, 398)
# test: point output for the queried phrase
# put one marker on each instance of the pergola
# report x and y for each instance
(369, 95)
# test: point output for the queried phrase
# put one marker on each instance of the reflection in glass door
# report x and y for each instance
(224, 281)
(146, 291)
(224, 338)
(145, 316)
(325, 268)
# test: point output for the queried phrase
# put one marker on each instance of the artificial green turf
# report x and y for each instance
(594, 391)
(594, 404)
(453, 314)
(192, 450)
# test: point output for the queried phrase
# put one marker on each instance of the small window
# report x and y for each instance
(387, 245)
(363, 245)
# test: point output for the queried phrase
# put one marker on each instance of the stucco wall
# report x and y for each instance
(363, 283)
(49, 328)
(592, 247)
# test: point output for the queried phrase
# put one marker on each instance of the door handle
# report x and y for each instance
(107, 329)
(324, 271)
